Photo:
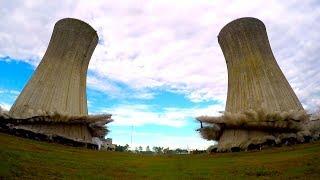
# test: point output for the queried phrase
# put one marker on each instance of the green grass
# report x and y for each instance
(24, 158)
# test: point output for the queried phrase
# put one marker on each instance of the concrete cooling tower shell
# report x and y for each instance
(53, 104)
(261, 109)
(59, 82)
(255, 80)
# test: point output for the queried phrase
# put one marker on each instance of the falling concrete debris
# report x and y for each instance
(261, 106)
(276, 129)
(54, 101)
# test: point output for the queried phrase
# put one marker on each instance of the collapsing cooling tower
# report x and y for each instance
(260, 105)
(59, 82)
(54, 100)
(254, 78)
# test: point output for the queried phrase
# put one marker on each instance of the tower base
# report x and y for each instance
(78, 131)
(256, 130)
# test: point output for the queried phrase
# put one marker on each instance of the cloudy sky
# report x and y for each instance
(158, 63)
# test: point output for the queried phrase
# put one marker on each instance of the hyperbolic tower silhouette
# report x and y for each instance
(53, 104)
(255, 80)
(59, 82)
(261, 109)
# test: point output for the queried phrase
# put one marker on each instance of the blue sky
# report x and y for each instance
(158, 63)
(164, 107)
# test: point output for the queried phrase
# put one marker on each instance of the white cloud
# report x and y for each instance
(130, 117)
(143, 139)
(5, 106)
(142, 114)
(109, 87)
(172, 45)
(103, 85)
(9, 91)
(7, 98)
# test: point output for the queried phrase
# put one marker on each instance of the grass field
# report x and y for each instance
(24, 158)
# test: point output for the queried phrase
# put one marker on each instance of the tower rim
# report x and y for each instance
(70, 20)
(235, 23)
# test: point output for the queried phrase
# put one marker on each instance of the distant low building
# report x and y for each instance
(107, 145)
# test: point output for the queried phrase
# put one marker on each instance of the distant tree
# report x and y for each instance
(122, 148)
(140, 148)
(178, 151)
(181, 151)
(119, 148)
(166, 150)
(169, 151)
(158, 150)
(126, 147)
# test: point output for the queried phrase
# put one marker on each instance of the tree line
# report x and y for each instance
(148, 150)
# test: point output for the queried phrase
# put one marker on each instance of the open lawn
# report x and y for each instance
(24, 158)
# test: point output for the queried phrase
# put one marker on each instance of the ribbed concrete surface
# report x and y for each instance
(255, 80)
(59, 82)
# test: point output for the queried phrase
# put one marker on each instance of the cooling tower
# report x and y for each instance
(255, 80)
(59, 82)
